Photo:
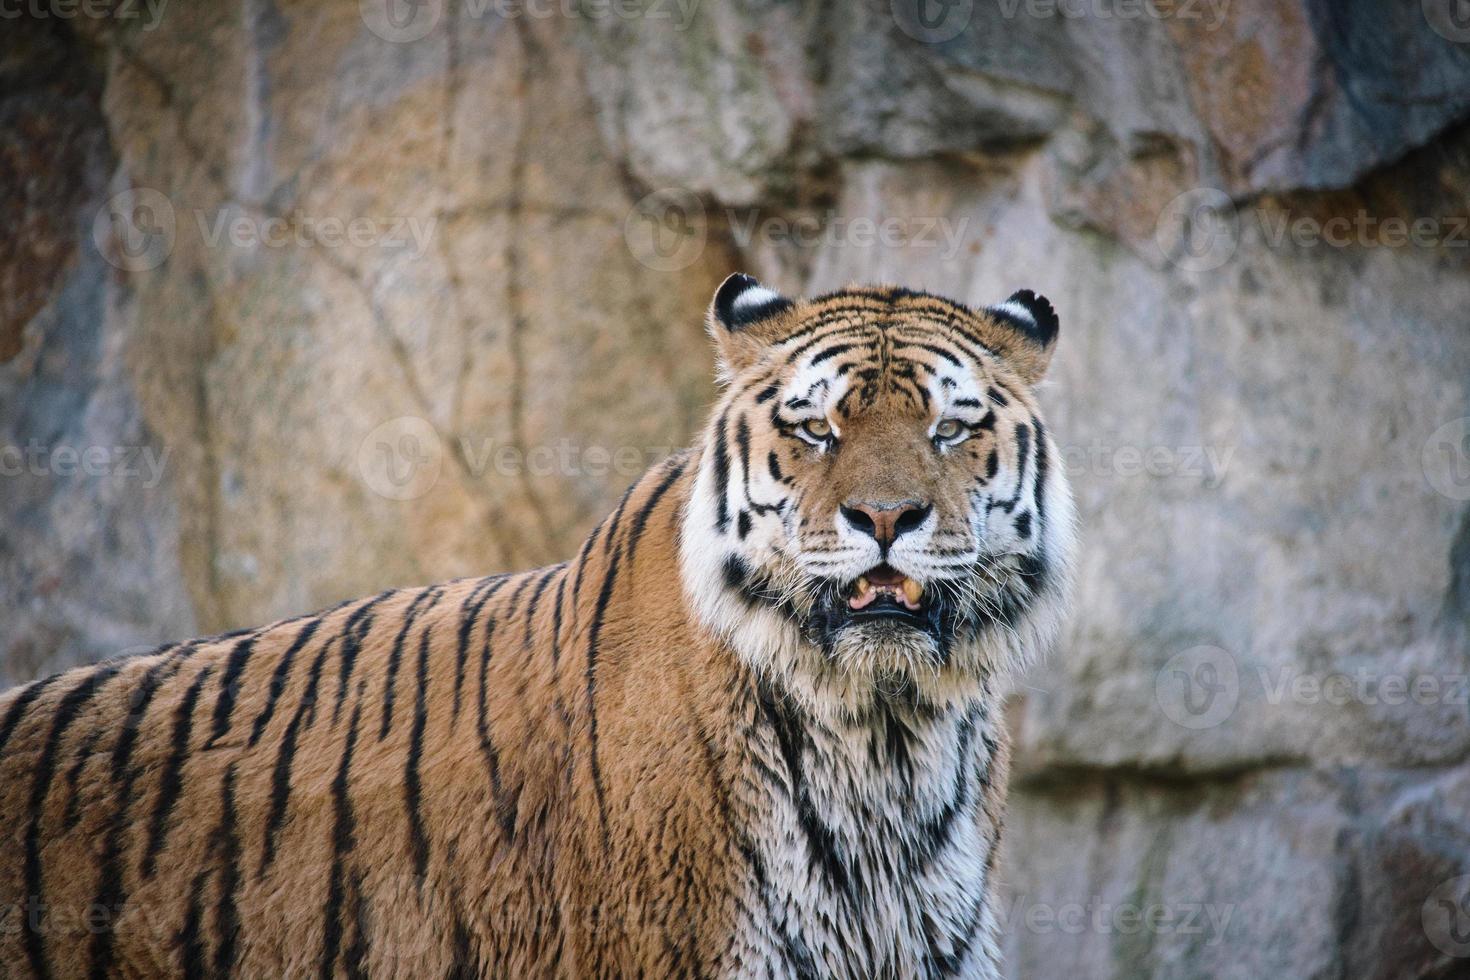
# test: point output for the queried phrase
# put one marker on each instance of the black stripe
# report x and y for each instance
(594, 634)
(227, 916)
(352, 959)
(412, 786)
(353, 632)
(831, 352)
(473, 603)
(821, 841)
(530, 616)
(722, 477)
(17, 707)
(1039, 493)
(556, 618)
(224, 707)
(66, 712)
(640, 519)
(85, 752)
(286, 755)
(390, 688)
(111, 895)
(279, 679)
(344, 841)
(505, 808)
(742, 442)
(188, 939)
(172, 780)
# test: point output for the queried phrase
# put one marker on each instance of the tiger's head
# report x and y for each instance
(878, 506)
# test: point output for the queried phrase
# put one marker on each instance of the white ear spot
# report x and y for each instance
(754, 297)
(1014, 309)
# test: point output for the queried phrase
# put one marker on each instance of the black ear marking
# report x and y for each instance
(741, 301)
(1030, 314)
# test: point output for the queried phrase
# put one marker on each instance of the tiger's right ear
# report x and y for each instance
(744, 318)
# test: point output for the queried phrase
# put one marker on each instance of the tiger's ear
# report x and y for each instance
(1025, 333)
(744, 318)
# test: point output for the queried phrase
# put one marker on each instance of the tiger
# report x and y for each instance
(752, 729)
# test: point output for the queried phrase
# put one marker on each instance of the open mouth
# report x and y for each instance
(883, 592)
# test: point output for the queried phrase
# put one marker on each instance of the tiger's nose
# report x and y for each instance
(885, 522)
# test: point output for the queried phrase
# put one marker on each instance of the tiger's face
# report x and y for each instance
(878, 498)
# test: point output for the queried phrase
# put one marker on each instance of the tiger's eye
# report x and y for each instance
(817, 429)
(948, 429)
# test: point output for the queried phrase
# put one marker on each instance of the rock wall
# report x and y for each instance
(314, 298)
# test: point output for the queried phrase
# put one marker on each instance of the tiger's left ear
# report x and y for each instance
(1026, 333)
(744, 318)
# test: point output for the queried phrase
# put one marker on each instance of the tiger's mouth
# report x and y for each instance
(884, 593)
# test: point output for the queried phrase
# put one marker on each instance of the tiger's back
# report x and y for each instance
(396, 786)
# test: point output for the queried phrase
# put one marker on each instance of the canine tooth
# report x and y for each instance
(912, 590)
(862, 584)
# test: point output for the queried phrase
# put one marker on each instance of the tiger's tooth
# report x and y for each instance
(862, 584)
(912, 590)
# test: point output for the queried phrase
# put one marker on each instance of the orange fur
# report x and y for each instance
(541, 774)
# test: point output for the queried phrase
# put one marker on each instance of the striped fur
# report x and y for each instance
(644, 761)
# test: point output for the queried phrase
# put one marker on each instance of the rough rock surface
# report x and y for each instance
(1248, 756)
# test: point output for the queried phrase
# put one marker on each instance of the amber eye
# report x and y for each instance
(949, 431)
(816, 430)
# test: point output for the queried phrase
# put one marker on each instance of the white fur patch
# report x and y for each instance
(1016, 310)
(753, 297)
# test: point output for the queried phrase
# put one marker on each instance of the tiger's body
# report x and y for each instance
(672, 755)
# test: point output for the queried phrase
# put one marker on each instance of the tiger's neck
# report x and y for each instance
(877, 835)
